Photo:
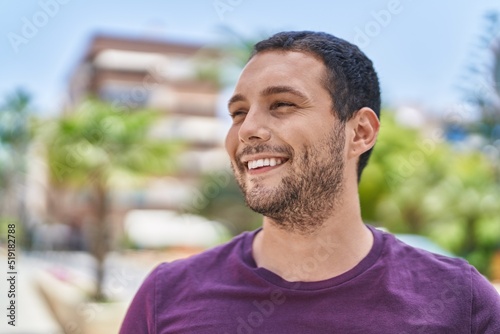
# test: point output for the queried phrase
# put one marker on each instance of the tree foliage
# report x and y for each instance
(481, 85)
(88, 146)
(15, 136)
(98, 139)
(224, 202)
(422, 185)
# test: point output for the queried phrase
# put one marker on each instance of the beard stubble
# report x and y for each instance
(310, 191)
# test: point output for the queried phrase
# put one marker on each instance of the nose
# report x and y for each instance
(255, 128)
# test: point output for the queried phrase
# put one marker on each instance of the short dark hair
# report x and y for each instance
(350, 78)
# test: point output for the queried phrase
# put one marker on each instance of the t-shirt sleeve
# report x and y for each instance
(141, 314)
(485, 305)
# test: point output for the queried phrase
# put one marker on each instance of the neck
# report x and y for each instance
(335, 247)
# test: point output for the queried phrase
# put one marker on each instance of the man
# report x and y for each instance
(305, 117)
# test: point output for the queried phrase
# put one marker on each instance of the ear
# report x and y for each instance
(363, 130)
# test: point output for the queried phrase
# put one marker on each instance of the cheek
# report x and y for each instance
(231, 142)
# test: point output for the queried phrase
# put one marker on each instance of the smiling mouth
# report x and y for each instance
(259, 164)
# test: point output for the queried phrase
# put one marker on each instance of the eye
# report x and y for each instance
(237, 114)
(233, 114)
(281, 104)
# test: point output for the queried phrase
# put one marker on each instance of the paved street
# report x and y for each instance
(32, 314)
(124, 274)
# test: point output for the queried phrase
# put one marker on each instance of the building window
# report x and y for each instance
(125, 95)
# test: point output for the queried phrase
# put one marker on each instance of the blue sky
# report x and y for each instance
(420, 48)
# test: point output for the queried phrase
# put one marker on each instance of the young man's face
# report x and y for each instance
(285, 144)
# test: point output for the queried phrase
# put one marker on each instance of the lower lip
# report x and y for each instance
(263, 169)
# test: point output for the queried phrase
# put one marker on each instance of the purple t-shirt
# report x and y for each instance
(394, 289)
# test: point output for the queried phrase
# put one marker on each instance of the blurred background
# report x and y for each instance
(113, 117)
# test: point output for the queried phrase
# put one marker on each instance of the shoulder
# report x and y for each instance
(403, 256)
(141, 313)
(170, 282)
(485, 309)
(450, 283)
(209, 264)
(423, 274)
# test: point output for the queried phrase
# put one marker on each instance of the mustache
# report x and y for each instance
(283, 149)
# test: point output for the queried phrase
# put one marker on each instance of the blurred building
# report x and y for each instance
(178, 79)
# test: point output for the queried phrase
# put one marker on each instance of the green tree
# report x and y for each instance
(15, 136)
(223, 201)
(481, 89)
(240, 48)
(422, 185)
(222, 67)
(87, 147)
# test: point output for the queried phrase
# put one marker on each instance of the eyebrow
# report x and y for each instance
(282, 89)
(235, 98)
(269, 91)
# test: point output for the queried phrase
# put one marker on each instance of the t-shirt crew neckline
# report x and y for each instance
(362, 266)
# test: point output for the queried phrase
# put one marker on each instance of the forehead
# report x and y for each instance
(300, 70)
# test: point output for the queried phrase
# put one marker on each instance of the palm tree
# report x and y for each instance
(233, 52)
(14, 139)
(87, 147)
(481, 86)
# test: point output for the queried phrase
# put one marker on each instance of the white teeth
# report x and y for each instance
(264, 162)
